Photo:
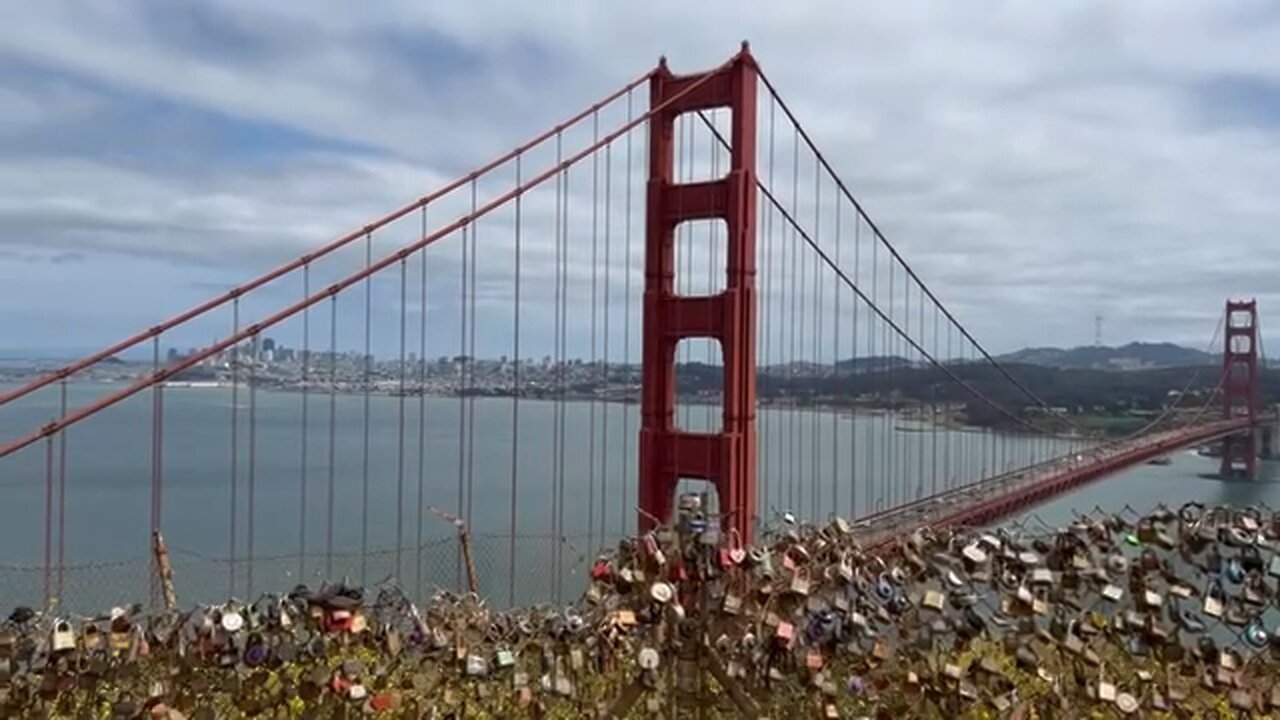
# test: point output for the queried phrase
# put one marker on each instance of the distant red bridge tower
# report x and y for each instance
(1240, 394)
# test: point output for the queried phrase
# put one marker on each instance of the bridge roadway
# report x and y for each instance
(1002, 496)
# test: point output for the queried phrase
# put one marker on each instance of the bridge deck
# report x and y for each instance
(1002, 496)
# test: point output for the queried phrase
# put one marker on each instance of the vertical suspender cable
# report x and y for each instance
(834, 394)
(515, 401)
(367, 362)
(460, 384)
(156, 421)
(333, 435)
(606, 374)
(855, 379)
(933, 408)
(419, 508)
(815, 499)
(305, 359)
(594, 370)
(48, 522)
(400, 444)
(890, 341)
(253, 460)
(952, 427)
(793, 286)
(626, 336)
(235, 455)
(471, 365)
(555, 413)
(564, 361)
(874, 472)
(62, 491)
(768, 420)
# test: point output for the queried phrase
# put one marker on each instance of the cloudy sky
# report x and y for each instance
(1038, 163)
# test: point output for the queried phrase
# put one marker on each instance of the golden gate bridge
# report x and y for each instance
(680, 220)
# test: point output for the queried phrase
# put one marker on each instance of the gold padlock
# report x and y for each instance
(800, 581)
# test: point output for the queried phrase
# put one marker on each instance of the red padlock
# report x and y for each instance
(601, 570)
(732, 554)
(337, 621)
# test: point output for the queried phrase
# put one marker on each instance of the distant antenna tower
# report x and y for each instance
(1097, 331)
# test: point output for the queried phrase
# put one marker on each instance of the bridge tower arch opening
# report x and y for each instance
(667, 454)
(1240, 394)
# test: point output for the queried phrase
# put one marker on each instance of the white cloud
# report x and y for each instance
(1037, 164)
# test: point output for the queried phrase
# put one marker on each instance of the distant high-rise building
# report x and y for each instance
(173, 354)
(268, 345)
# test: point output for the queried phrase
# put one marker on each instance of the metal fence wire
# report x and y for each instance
(1172, 611)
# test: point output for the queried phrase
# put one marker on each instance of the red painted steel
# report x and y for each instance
(164, 374)
(1240, 387)
(954, 511)
(726, 459)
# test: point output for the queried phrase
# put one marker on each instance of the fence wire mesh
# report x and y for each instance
(1171, 611)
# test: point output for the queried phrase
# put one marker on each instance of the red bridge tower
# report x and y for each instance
(1240, 387)
(667, 454)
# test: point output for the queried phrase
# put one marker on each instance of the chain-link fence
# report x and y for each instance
(1113, 614)
(511, 572)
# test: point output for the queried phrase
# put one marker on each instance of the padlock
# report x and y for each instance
(1112, 592)
(813, 660)
(844, 568)
(476, 666)
(1214, 600)
(884, 589)
(661, 592)
(800, 581)
(732, 555)
(881, 650)
(63, 638)
(1234, 571)
(761, 559)
(594, 593)
(256, 650)
(933, 600)
(648, 659)
(785, 632)
(1273, 567)
(732, 604)
(974, 554)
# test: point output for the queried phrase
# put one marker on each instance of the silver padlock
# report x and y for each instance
(64, 638)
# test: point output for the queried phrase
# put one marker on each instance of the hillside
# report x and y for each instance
(1134, 356)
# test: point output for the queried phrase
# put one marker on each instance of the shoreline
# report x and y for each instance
(909, 419)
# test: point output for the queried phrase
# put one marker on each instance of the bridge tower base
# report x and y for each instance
(667, 454)
(1240, 394)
